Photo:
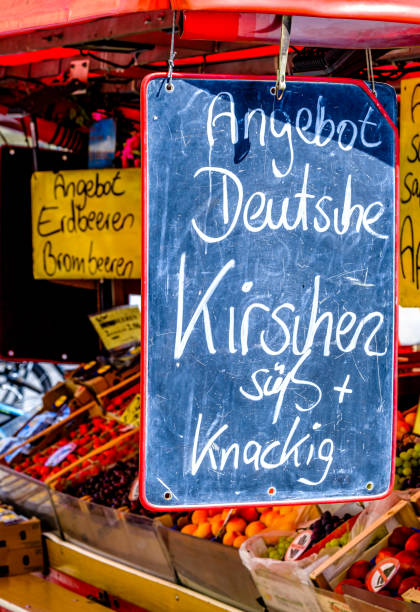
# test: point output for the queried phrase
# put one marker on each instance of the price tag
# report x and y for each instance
(60, 454)
(411, 595)
(298, 545)
(118, 327)
(131, 415)
(382, 573)
(416, 427)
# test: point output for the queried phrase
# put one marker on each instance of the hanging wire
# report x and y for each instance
(169, 85)
(369, 65)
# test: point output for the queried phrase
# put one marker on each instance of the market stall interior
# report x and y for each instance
(71, 462)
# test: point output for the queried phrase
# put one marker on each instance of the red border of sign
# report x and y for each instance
(143, 117)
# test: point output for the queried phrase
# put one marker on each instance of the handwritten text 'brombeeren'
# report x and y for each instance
(303, 210)
(81, 207)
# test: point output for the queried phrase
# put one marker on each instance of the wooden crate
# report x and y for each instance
(50, 434)
(402, 513)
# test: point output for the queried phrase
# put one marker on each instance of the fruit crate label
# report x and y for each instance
(381, 574)
(268, 291)
(59, 455)
(118, 327)
(299, 545)
(131, 415)
(412, 595)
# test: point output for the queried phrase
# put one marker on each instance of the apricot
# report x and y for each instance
(236, 524)
(249, 514)
(268, 517)
(213, 512)
(226, 511)
(229, 537)
(239, 540)
(216, 526)
(190, 529)
(203, 530)
(199, 516)
(285, 523)
(215, 518)
(254, 528)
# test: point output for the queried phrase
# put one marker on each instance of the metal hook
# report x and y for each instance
(286, 25)
(369, 65)
(169, 85)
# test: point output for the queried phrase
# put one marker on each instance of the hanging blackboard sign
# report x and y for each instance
(268, 291)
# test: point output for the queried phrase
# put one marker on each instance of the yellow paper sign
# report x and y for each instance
(416, 426)
(118, 327)
(409, 277)
(86, 224)
(131, 415)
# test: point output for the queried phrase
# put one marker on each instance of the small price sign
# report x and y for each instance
(382, 573)
(298, 545)
(118, 327)
(131, 415)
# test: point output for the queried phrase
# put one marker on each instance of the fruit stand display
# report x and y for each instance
(93, 486)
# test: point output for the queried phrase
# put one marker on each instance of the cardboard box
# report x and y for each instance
(21, 560)
(20, 535)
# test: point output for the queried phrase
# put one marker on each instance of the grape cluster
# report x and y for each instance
(279, 550)
(342, 541)
(407, 466)
(325, 525)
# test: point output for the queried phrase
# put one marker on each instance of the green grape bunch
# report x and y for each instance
(279, 550)
(407, 467)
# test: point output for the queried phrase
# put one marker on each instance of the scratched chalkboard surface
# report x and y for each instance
(269, 286)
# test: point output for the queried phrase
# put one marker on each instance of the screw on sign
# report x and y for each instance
(299, 545)
(382, 573)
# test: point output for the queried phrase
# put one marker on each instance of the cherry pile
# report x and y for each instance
(112, 487)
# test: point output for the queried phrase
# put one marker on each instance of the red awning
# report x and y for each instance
(400, 11)
(327, 23)
(306, 31)
(29, 15)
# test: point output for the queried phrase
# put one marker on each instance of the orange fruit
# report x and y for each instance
(235, 524)
(239, 540)
(229, 537)
(203, 530)
(190, 528)
(254, 528)
(199, 516)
